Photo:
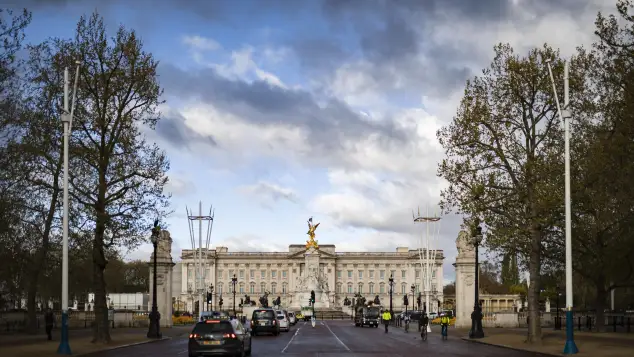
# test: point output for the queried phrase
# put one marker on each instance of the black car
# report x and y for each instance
(264, 321)
(219, 337)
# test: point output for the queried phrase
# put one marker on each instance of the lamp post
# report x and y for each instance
(155, 316)
(476, 315)
(413, 296)
(234, 280)
(391, 280)
(211, 291)
(67, 122)
(564, 116)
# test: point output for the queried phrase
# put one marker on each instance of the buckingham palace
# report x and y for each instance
(292, 274)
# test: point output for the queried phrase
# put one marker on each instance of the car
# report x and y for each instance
(291, 318)
(264, 320)
(283, 321)
(299, 316)
(219, 337)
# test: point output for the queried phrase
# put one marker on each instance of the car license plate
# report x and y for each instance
(262, 323)
(211, 342)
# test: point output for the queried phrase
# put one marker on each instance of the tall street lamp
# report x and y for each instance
(234, 280)
(211, 292)
(67, 122)
(564, 116)
(476, 315)
(413, 297)
(155, 316)
(391, 280)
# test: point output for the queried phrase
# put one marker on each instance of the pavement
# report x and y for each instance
(552, 344)
(332, 339)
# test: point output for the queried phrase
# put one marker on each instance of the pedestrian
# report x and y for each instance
(386, 319)
(49, 321)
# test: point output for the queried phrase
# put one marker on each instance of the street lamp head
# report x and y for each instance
(391, 279)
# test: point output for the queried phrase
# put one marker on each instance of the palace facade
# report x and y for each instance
(280, 273)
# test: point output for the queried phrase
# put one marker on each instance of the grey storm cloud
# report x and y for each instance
(172, 128)
(261, 103)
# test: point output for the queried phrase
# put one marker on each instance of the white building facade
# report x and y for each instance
(283, 274)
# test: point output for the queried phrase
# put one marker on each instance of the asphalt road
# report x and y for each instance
(332, 339)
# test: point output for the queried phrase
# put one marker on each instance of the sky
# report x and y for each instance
(280, 110)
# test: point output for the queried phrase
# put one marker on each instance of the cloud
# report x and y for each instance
(269, 193)
(179, 186)
(201, 43)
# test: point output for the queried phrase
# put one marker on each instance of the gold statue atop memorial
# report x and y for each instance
(311, 233)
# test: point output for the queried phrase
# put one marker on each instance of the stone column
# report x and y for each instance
(465, 279)
(164, 266)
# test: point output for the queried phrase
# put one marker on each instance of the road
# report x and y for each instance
(332, 339)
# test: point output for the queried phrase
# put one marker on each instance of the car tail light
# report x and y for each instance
(194, 335)
(229, 335)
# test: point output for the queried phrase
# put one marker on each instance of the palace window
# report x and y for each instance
(371, 288)
(273, 274)
(284, 274)
(360, 288)
(241, 274)
(349, 288)
(262, 287)
(417, 288)
(252, 288)
(220, 274)
(417, 274)
(273, 288)
(403, 288)
(371, 274)
(241, 288)
(338, 288)
(219, 287)
(403, 274)
(252, 274)
(360, 274)
(339, 274)
(283, 288)
(190, 272)
(393, 273)
(349, 274)
(230, 274)
(382, 289)
(382, 272)
(263, 274)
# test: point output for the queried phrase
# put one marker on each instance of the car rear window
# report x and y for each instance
(280, 317)
(263, 314)
(212, 326)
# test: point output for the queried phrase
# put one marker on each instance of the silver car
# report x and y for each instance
(292, 318)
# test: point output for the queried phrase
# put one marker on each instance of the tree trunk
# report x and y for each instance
(101, 331)
(40, 257)
(534, 267)
(599, 304)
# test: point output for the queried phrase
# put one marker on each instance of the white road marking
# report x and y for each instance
(292, 338)
(343, 344)
(181, 352)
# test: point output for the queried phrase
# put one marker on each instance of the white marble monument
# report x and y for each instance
(465, 278)
(311, 279)
(164, 265)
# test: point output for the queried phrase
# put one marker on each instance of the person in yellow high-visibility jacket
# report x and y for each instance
(386, 316)
(444, 323)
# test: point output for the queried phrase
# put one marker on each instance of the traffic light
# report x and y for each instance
(312, 296)
(418, 301)
(220, 302)
(405, 300)
(208, 298)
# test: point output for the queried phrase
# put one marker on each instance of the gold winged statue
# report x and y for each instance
(311, 233)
